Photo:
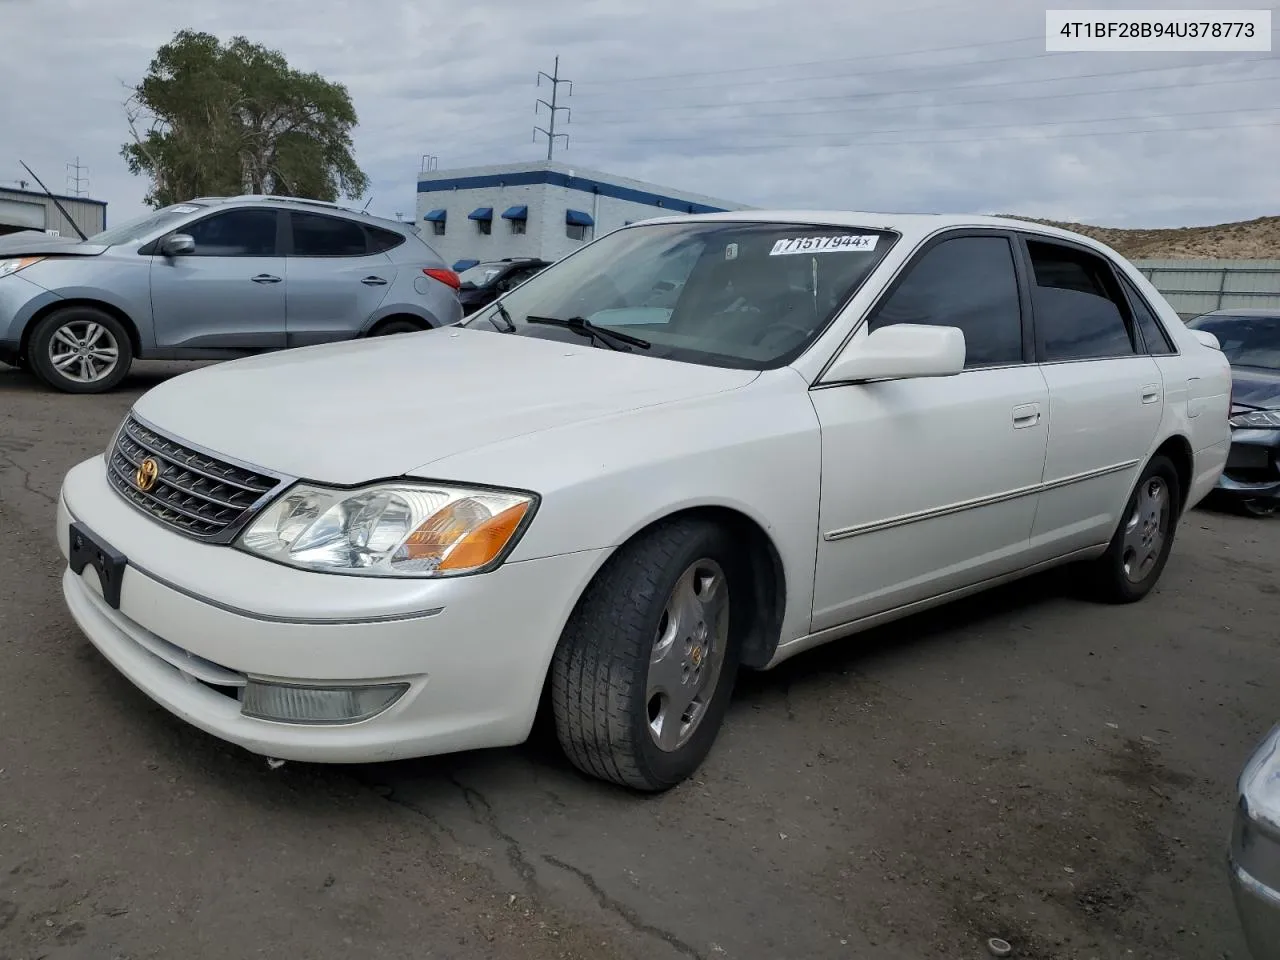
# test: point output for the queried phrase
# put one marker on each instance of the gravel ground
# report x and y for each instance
(1022, 765)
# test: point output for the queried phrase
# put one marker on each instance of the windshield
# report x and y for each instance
(481, 274)
(148, 223)
(736, 294)
(1246, 341)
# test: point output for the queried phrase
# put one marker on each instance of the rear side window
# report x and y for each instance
(315, 235)
(965, 282)
(380, 241)
(1158, 342)
(236, 233)
(1079, 309)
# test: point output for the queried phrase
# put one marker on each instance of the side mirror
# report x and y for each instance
(1208, 339)
(177, 245)
(899, 352)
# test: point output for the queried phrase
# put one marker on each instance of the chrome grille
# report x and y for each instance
(194, 492)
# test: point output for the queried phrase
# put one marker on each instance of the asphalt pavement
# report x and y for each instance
(1023, 765)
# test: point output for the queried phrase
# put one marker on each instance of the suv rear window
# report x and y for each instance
(380, 241)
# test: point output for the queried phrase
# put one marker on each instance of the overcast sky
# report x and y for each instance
(908, 105)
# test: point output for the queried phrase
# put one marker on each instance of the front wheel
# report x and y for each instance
(1260, 508)
(80, 350)
(644, 671)
(1140, 547)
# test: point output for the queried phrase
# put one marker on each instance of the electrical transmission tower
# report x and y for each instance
(77, 182)
(554, 109)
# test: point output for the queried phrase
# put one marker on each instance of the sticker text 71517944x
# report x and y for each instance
(848, 243)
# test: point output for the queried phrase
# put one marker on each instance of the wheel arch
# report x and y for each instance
(1177, 449)
(423, 318)
(130, 328)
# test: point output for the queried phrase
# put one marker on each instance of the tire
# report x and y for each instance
(1260, 508)
(80, 350)
(1143, 539)
(397, 326)
(613, 714)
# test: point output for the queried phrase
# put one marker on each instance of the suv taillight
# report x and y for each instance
(447, 277)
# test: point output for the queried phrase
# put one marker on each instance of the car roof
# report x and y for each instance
(912, 226)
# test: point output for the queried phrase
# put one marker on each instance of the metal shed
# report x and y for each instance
(1194, 287)
(33, 210)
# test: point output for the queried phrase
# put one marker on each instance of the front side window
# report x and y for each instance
(315, 235)
(1078, 306)
(237, 233)
(738, 294)
(1246, 341)
(965, 282)
(139, 227)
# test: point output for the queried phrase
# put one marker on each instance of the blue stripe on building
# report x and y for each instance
(555, 178)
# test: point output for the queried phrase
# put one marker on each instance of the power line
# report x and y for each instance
(707, 135)
(813, 63)
(550, 133)
(968, 103)
(1022, 81)
(77, 184)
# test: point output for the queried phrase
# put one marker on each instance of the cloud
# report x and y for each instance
(909, 105)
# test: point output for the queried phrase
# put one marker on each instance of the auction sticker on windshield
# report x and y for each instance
(845, 243)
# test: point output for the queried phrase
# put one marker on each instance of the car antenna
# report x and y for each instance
(61, 209)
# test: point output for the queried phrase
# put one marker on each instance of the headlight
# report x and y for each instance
(1257, 419)
(390, 529)
(17, 263)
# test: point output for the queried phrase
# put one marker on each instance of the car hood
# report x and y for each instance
(371, 409)
(32, 244)
(1255, 387)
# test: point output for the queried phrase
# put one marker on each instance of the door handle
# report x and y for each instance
(1151, 393)
(265, 278)
(1026, 415)
(374, 282)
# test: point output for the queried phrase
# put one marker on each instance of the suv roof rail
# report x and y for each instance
(302, 200)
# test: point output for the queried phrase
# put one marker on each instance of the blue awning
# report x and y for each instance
(464, 265)
(576, 218)
(435, 216)
(516, 213)
(481, 213)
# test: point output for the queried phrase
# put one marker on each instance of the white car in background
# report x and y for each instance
(696, 444)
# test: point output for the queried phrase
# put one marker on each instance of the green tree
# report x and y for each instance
(214, 119)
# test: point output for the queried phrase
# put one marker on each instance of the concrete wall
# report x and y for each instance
(1194, 287)
(29, 210)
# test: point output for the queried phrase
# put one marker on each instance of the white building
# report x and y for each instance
(544, 209)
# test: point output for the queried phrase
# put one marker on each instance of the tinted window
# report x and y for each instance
(236, 233)
(968, 282)
(1078, 304)
(319, 236)
(381, 240)
(1157, 340)
(1246, 341)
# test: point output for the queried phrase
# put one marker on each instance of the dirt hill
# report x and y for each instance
(1246, 240)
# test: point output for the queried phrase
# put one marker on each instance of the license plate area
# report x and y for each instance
(87, 550)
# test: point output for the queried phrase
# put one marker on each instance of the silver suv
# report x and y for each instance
(214, 278)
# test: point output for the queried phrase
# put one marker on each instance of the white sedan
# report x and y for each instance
(696, 444)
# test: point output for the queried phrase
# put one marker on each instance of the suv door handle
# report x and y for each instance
(374, 282)
(1026, 415)
(1151, 393)
(265, 278)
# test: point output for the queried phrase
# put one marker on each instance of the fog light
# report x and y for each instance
(291, 703)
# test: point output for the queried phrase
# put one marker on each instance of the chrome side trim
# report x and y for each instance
(959, 507)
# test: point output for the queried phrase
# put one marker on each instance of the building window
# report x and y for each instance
(484, 226)
(437, 219)
(517, 226)
(438, 227)
(483, 216)
(576, 231)
(578, 224)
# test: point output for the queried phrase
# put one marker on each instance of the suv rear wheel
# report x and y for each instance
(80, 350)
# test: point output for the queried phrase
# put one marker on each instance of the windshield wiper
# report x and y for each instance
(612, 339)
(506, 317)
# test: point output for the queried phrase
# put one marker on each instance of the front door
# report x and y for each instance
(930, 485)
(1106, 395)
(337, 279)
(229, 293)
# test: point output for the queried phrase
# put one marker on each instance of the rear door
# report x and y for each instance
(338, 278)
(228, 293)
(1106, 395)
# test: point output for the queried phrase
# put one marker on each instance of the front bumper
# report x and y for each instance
(196, 618)
(1253, 465)
(1254, 857)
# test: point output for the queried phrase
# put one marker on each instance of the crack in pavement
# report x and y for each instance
(622, 910)
(26, 479)
(482, 812)
(390, 797)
